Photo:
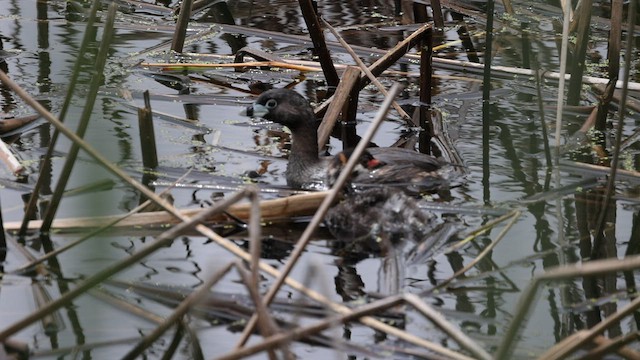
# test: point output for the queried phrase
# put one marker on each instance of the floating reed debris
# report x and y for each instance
(200, 67)
(272, 210)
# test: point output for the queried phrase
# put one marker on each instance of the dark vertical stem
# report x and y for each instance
(526, 45)
(3, 240)
(348, 123)
(426, 72)
(96, 81)
(438, 18)
(320, 46)
(613, 55)
(578, 63)
(147, 134)
(486, 104)
(420, 13)
(89, 35)
(599, 236)
(543, 124)
(177, 44)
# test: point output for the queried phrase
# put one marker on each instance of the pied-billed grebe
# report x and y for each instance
(402, 167)
(377, 218)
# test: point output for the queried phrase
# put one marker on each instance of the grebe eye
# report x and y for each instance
(271, 104)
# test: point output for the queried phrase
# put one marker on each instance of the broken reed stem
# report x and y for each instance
(12, 162)
(442, 323)
(179, 312)
(147, 134)
(599, 235)
(319, 44)
(367, 72)
(96, 82)
(91, 234)
(35, 194)
(348, 82)
(179, 35)
(515, 215)
(322, 209)
(566, 272)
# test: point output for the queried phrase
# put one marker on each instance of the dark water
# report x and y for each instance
(42, 40)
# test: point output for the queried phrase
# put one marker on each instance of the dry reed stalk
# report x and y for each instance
(273, 64)
(178, 313)
(348, 82)
(367, 72)
(324, 206)
(296, 205)
(266, 325)
(10, 160)
(566, 272)
(105, 225)
(618, 345)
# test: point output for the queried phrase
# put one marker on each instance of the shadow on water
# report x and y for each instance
(211, 151)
